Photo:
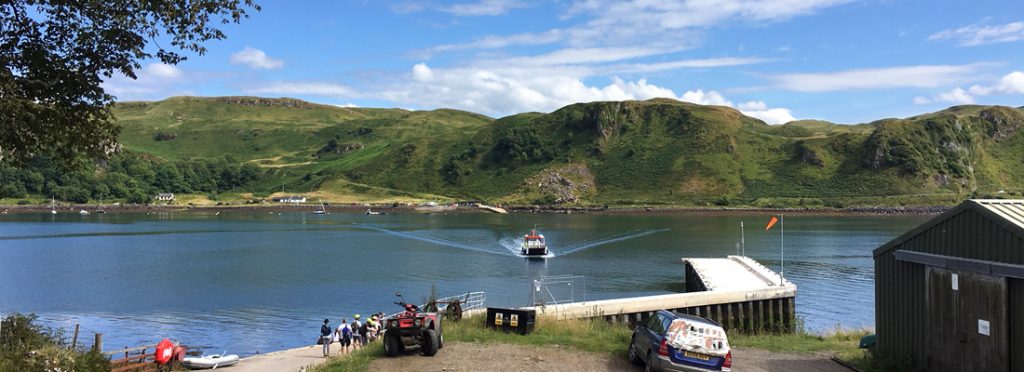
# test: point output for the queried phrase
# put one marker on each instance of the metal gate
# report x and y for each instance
(558, 289)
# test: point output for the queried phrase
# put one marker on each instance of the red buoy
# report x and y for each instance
(164, 351)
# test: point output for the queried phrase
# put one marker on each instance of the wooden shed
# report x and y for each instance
(949, 294)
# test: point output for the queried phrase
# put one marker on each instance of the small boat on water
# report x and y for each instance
(83, 212)
(322, 210)
(53, 205)
(533, 244)
(210, 361)
(370, 212)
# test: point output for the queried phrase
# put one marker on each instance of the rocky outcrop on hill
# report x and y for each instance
(566, 184)
(268, 102)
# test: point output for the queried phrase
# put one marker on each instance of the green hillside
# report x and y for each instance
(634, 152)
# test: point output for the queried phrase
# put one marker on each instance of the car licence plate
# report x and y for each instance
(690, 354)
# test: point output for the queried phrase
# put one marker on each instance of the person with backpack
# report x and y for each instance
(363, 330)
(356, 325)
(344, 335)
(325, 338)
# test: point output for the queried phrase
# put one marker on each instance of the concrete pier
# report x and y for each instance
(737, 292)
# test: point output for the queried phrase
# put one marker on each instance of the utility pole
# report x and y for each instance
(743, 243)
(782, 244)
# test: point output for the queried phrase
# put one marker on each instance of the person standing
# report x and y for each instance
(325, 337)
(363, 329)
(355, 326)
(344, 336)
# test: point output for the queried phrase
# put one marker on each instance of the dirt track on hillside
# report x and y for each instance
(466, 357)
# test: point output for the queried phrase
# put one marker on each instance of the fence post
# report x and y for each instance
(98, 343)
(74, 339)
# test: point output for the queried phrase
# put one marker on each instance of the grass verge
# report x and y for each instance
(599, 336)
(596, 336)
(589, 335)
(356, 361)
(843, 343)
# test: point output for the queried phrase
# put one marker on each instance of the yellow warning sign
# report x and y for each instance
(497, 318)
(514, 322)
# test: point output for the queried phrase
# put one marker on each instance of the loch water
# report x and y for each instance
(254, 282)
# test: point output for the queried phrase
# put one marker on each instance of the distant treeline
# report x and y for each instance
(130, 177)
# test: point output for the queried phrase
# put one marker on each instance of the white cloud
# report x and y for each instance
(154, 81)
(422, 73)
(978, 34)
(503, 91)
(689, 63)
(580, 56)
(666, 23)
(760, 110)
(493, 41)
(922, 76)
(347, 105)
(1012, 83)
(483, 7)
(305, 88)
(705, 98)
(255, 58)
(958, 96)
(160, 70)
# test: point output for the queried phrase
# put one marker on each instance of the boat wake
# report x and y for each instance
(512, 245)
(582, 246)
(432, 240)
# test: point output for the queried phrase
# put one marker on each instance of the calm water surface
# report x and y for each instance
(258, 282)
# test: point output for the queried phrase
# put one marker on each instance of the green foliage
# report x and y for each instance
(635, 153)
(57, 53)
(519, 145)
(25, 345)
(130, 177)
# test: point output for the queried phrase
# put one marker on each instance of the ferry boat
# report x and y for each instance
(533, 244)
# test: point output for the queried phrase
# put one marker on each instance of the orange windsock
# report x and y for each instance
(771, 223)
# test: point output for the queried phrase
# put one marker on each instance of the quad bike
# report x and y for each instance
(412, 328)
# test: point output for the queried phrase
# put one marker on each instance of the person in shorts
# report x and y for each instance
(344, 336)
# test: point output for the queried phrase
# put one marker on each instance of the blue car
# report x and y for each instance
(650, 346)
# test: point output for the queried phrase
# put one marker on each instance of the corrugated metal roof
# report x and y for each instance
(1010, 210)
(1008, 213)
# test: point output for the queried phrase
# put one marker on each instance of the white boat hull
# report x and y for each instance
(210, 361)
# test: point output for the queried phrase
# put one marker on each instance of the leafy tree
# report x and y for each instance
(55, 54)
(25, 345)
(137, 196)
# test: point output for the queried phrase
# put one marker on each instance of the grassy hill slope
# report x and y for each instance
(633, 152)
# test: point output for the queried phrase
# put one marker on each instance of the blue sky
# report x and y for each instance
(839, 60)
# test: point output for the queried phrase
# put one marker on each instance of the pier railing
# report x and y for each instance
(135, 359)
(469, 302)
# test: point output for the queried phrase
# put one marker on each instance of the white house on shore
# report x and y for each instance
(293, 199)
(165, 196)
